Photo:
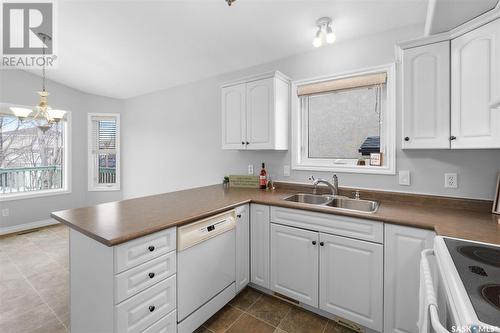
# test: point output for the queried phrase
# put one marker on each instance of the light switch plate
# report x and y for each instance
(250, 169)
(404, 177)
(286, 170)
(5, 212)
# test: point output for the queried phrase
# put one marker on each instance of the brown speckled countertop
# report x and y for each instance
(117, 222)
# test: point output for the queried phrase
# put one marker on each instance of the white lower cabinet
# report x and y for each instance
(139, 312)
(294, 263)
(167, 324)
(242, 247)
(128, 288)
(351, 279)
(337, 274)
(259, 245)
(403, 246)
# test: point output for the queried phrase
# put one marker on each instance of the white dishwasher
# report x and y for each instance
(206, 272)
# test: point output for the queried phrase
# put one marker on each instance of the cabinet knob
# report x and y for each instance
(151, 308)
(453, 137)
(151, 248)
(151, 275)
(242, 142)
(238, 216)
(321, 243)
(407, 138)
(314, 242)
(247, 143)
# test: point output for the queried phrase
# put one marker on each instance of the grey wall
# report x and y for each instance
(19, 87)
(173, 137)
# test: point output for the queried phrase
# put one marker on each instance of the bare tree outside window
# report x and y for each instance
(30, 159)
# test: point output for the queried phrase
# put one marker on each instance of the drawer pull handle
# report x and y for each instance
(151, 275)
(151, 308)
(322, 243)
(151, 248)
(314, 242)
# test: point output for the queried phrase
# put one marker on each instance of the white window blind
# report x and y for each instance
(104, 159)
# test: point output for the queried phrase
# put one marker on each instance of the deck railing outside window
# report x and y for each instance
(27, 179)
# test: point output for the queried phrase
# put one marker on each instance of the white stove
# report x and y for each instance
(468, 285)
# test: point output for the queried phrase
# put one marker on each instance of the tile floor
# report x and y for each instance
(34, 294)
(34, 281)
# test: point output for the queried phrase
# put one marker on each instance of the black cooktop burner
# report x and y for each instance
(492, 294)
(478, 266)
(485, 255)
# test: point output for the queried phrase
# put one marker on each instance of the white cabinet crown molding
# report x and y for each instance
(256, 77)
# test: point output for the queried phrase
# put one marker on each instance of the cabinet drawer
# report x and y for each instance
(136, 279)
(167, 324)
(143, 249)
(145, 308)
(333, 224)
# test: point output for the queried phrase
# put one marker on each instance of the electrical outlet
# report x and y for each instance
(5, 212)
(404, 177)
(250, 169)
(450, 180)
(286, 170)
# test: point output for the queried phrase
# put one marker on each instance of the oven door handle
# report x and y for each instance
(430, 292)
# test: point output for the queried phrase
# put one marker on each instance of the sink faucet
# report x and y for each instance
(334, 186)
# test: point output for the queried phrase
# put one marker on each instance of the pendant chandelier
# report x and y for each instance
(41, 115)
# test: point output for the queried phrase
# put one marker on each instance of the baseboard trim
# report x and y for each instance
(26, 226)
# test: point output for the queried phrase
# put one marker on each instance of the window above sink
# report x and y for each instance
(337, 121)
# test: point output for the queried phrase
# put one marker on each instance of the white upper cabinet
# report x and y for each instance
(475, 88)
(260, 105)
(255, 113)
(233, 116)
(426, 96)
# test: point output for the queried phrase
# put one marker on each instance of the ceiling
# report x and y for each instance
(448, 14)
(123, 49)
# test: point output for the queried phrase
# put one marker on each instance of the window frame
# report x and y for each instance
(67, 168)
(300, 161)
(93, 186)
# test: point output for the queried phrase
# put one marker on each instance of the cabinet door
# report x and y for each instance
(351, 279)
(294, 263)
(233, 116)
(426, 96)
(259, 245)
(475, 94)
(242, 248)
(403, 246)
(260, 114)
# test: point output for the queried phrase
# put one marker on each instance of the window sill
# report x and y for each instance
(384, 170)
(34, 194)
(104, 189)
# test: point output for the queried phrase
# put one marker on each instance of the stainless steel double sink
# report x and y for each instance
(334, 201)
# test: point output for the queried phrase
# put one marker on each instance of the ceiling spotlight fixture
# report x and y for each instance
(324, 32)
(230, 2)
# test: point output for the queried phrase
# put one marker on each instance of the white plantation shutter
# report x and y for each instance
(104, 155)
